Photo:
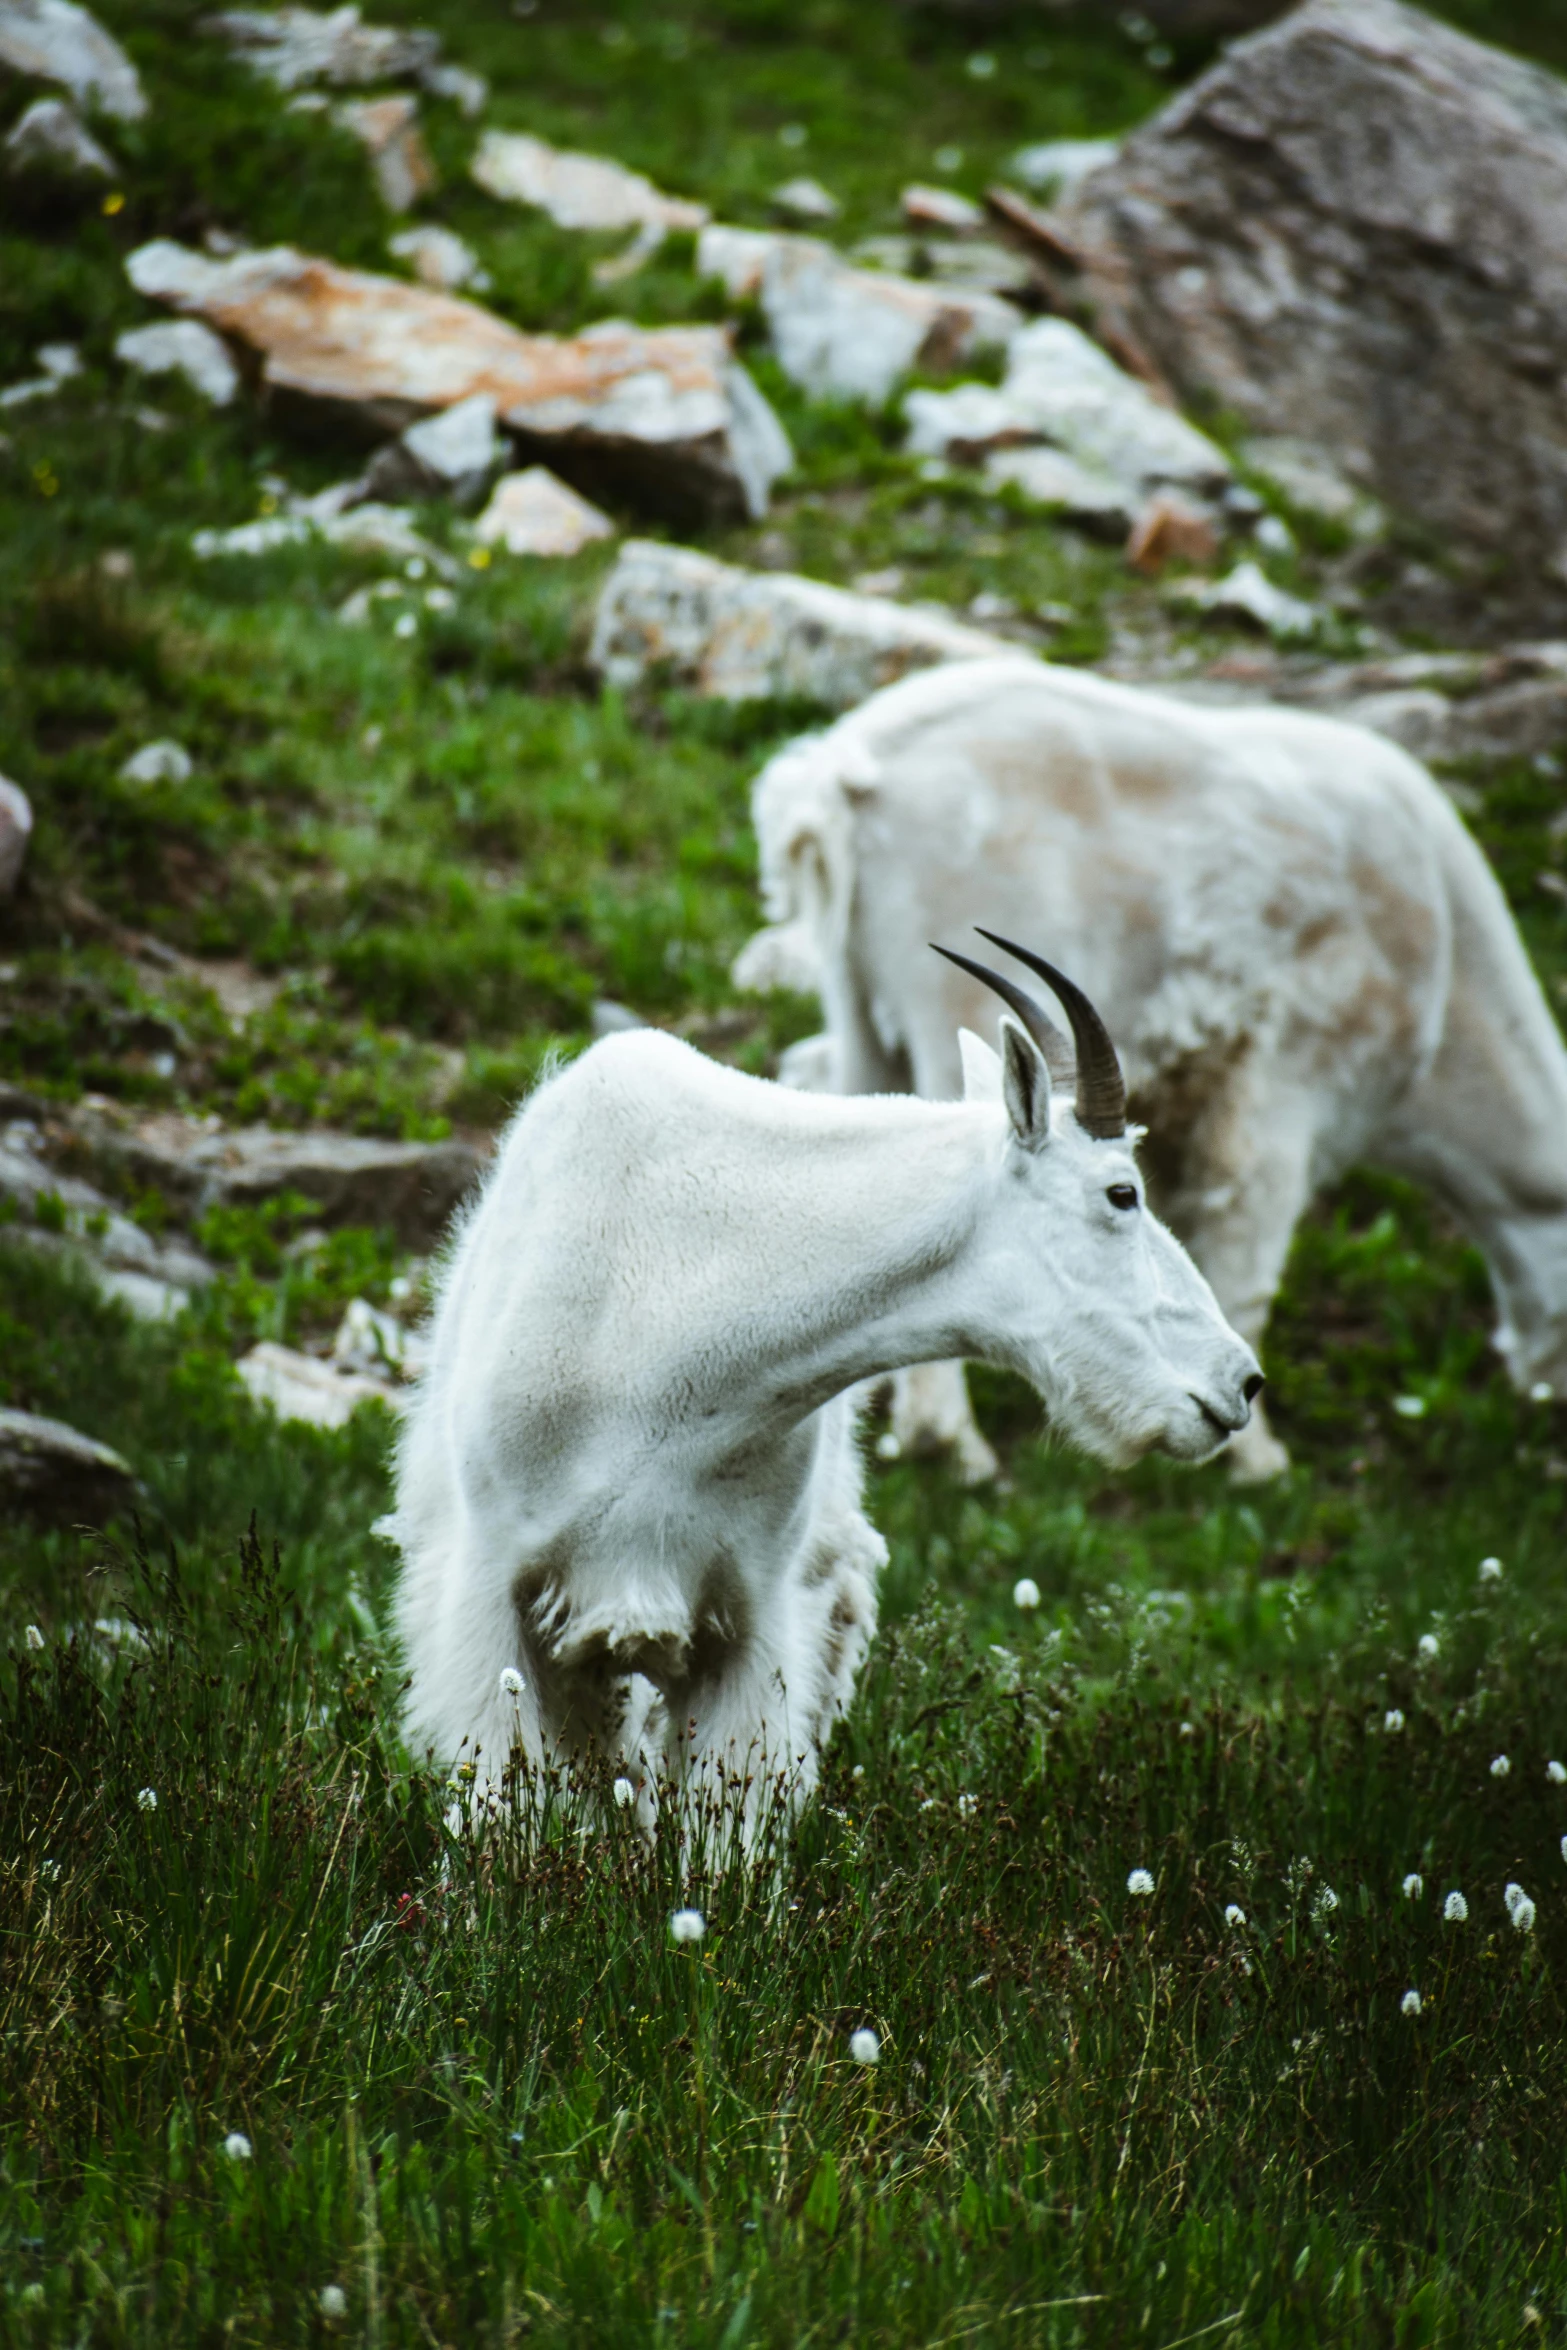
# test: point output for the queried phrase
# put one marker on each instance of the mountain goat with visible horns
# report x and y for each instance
(1301, 953)
(628, 1484)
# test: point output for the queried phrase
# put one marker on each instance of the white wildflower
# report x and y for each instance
(1490, 1570)
(1188, 1729)
(624, 1793)
(1326, 1903)
(1414, 1886)
(511, 1682)
(1139, 1882)
(1428, 1647)
(147, 1799)
(1025, 1592)
(688, 1925)
(1393, 1720)
(1410, 2003)
(1519, 1908)
(864, 2046)
(332, 2301)
(33, 1636)
(1455, 1909)
(968, 1805)
(1500, 1766)
(980, 66)
(405, 625)
(1557, 1773)
(1234, 1915)
(1410, 1407)
(1542, 1392)
(237, 2146)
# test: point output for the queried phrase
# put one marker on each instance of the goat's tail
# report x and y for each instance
(804, 829)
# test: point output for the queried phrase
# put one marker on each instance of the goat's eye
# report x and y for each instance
(1122, 1195)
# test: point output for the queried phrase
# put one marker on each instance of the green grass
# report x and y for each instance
(486, 2096)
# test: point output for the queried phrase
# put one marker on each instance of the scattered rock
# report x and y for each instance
(1247, 594)
(1171, 530)
(1056, 482)
(666, 412)
(59, 361)
(452, 455)
(63, 1214)
(531, 513)
(50, 137)
(163, 761)
(55, 1471)
(852, 334)
(747, 635)
(349, 1178)
(1350, 230)
(303, 1387)
(806, 199)
(1063, 389)
(469, 92)
(388, 130)
(736, 257)
(182, 346)
(607, 1018)
(54, 41)
(293, 47)
(440, 258)
(583, 192)
(1307, 476)
(367, 529)
(1055, 167)
(16, 830)
(376, 1345)
(942, 208)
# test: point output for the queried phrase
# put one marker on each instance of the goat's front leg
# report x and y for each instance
(932, 1413)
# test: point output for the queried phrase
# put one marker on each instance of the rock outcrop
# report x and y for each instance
(667, 414)
(55, 41)
(53, 1471)
(748, 635)
(184, 347)
(531, 513)
(1353, 231)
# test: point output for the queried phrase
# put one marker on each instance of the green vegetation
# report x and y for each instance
(484, 2094)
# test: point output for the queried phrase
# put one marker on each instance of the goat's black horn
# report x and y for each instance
(1058, 1053)
(1101, 1088)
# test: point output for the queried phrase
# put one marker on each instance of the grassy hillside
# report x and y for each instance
(483, 2094)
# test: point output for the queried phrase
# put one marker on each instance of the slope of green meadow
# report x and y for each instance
(482, 2093)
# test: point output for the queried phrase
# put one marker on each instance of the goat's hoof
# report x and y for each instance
(1256, 1457)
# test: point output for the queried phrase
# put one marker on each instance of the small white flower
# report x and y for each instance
(1428, 1647)
(1410, 2003)
(1519, 1908)
(1455, 1909)
(858, 1771)
(1325, 1904)
(1188, 1729)
(1490, 1570)
(1410, 1407)
(1025, 1592)
(415, 567)
(1500, 1766)
(405, 625)
(624, 1793)
(1139, 1882)
(887, 1447)
(1234, 1915)
(1393, 1721)
(1414, 1886)
(968, 1805)
(237, 2146)
(981, 66)
(332, 2301)
(1542, 1391)
(864, 2046)
(1557, 1773)
(511, 1682)
(33, 1636)
(147, 1800)
(688, 1925)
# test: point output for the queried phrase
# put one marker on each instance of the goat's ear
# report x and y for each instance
(981, 1068)
(1025, 1085)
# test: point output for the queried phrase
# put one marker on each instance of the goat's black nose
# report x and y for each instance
(1254, 1387)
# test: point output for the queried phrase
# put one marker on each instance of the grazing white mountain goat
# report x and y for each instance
(1302, 955)
(628, 1486)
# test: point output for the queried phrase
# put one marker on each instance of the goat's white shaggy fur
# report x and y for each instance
(630, 1473)
(1303, 958)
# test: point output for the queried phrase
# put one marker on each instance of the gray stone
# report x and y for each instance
(1313, 483)
(531, 513)
(51, 137)
(163, 761)
(806, 199)
(304, 1387)
(583, 192)
(1247, 594)
(452, 455)
(16, 830)
(294, 47)
(55, 41)
(749, 635)
(1055, 166)
(348, 1178)
(1353, 230)
(388, 130)
(182, 346)
(55, 1472)
(853, 334)
(439, 257)
(668, 413)
(153, 1277)
(1049, 478)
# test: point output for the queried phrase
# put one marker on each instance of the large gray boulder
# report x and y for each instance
(1353, 230)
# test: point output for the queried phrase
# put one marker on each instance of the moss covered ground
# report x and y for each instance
(484, 2096)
